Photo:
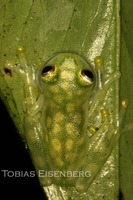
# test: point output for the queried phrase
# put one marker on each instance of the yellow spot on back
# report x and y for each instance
(59, 117)
(72, 132)
(77, 119)
(57, 128)
(59, 162)
(65, 85)
(69, 144)
(58, 98)
(56, 144)
(70, 107)
(70, 129)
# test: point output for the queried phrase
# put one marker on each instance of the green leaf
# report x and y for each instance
(43, 28)
(126, 149)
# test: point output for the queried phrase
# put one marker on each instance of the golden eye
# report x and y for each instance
(48, 70)
(87, 75)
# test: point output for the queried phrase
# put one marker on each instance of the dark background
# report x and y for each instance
(14, 157)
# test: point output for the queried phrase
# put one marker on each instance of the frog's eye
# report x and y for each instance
(87, 76)
(48, 70)
(49, 73)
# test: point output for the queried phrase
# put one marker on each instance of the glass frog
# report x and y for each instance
(64, 140)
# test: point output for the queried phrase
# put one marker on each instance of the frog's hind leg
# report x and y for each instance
(103, 142)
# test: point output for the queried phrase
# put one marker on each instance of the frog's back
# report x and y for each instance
(67, 81)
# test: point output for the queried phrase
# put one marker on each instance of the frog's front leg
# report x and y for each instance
(103, 142)
(33, 130)
(103, 84)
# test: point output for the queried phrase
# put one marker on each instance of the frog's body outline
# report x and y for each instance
(58, 121)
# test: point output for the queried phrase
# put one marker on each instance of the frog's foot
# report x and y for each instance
(127, 127)
(10, 69)
(102, 81)
(103, 142)
(26, 74)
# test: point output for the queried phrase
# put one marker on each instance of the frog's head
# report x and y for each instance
(67, 75)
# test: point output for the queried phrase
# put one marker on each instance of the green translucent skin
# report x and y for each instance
(60, 130)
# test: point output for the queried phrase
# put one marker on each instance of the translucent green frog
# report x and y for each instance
(66, 144)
